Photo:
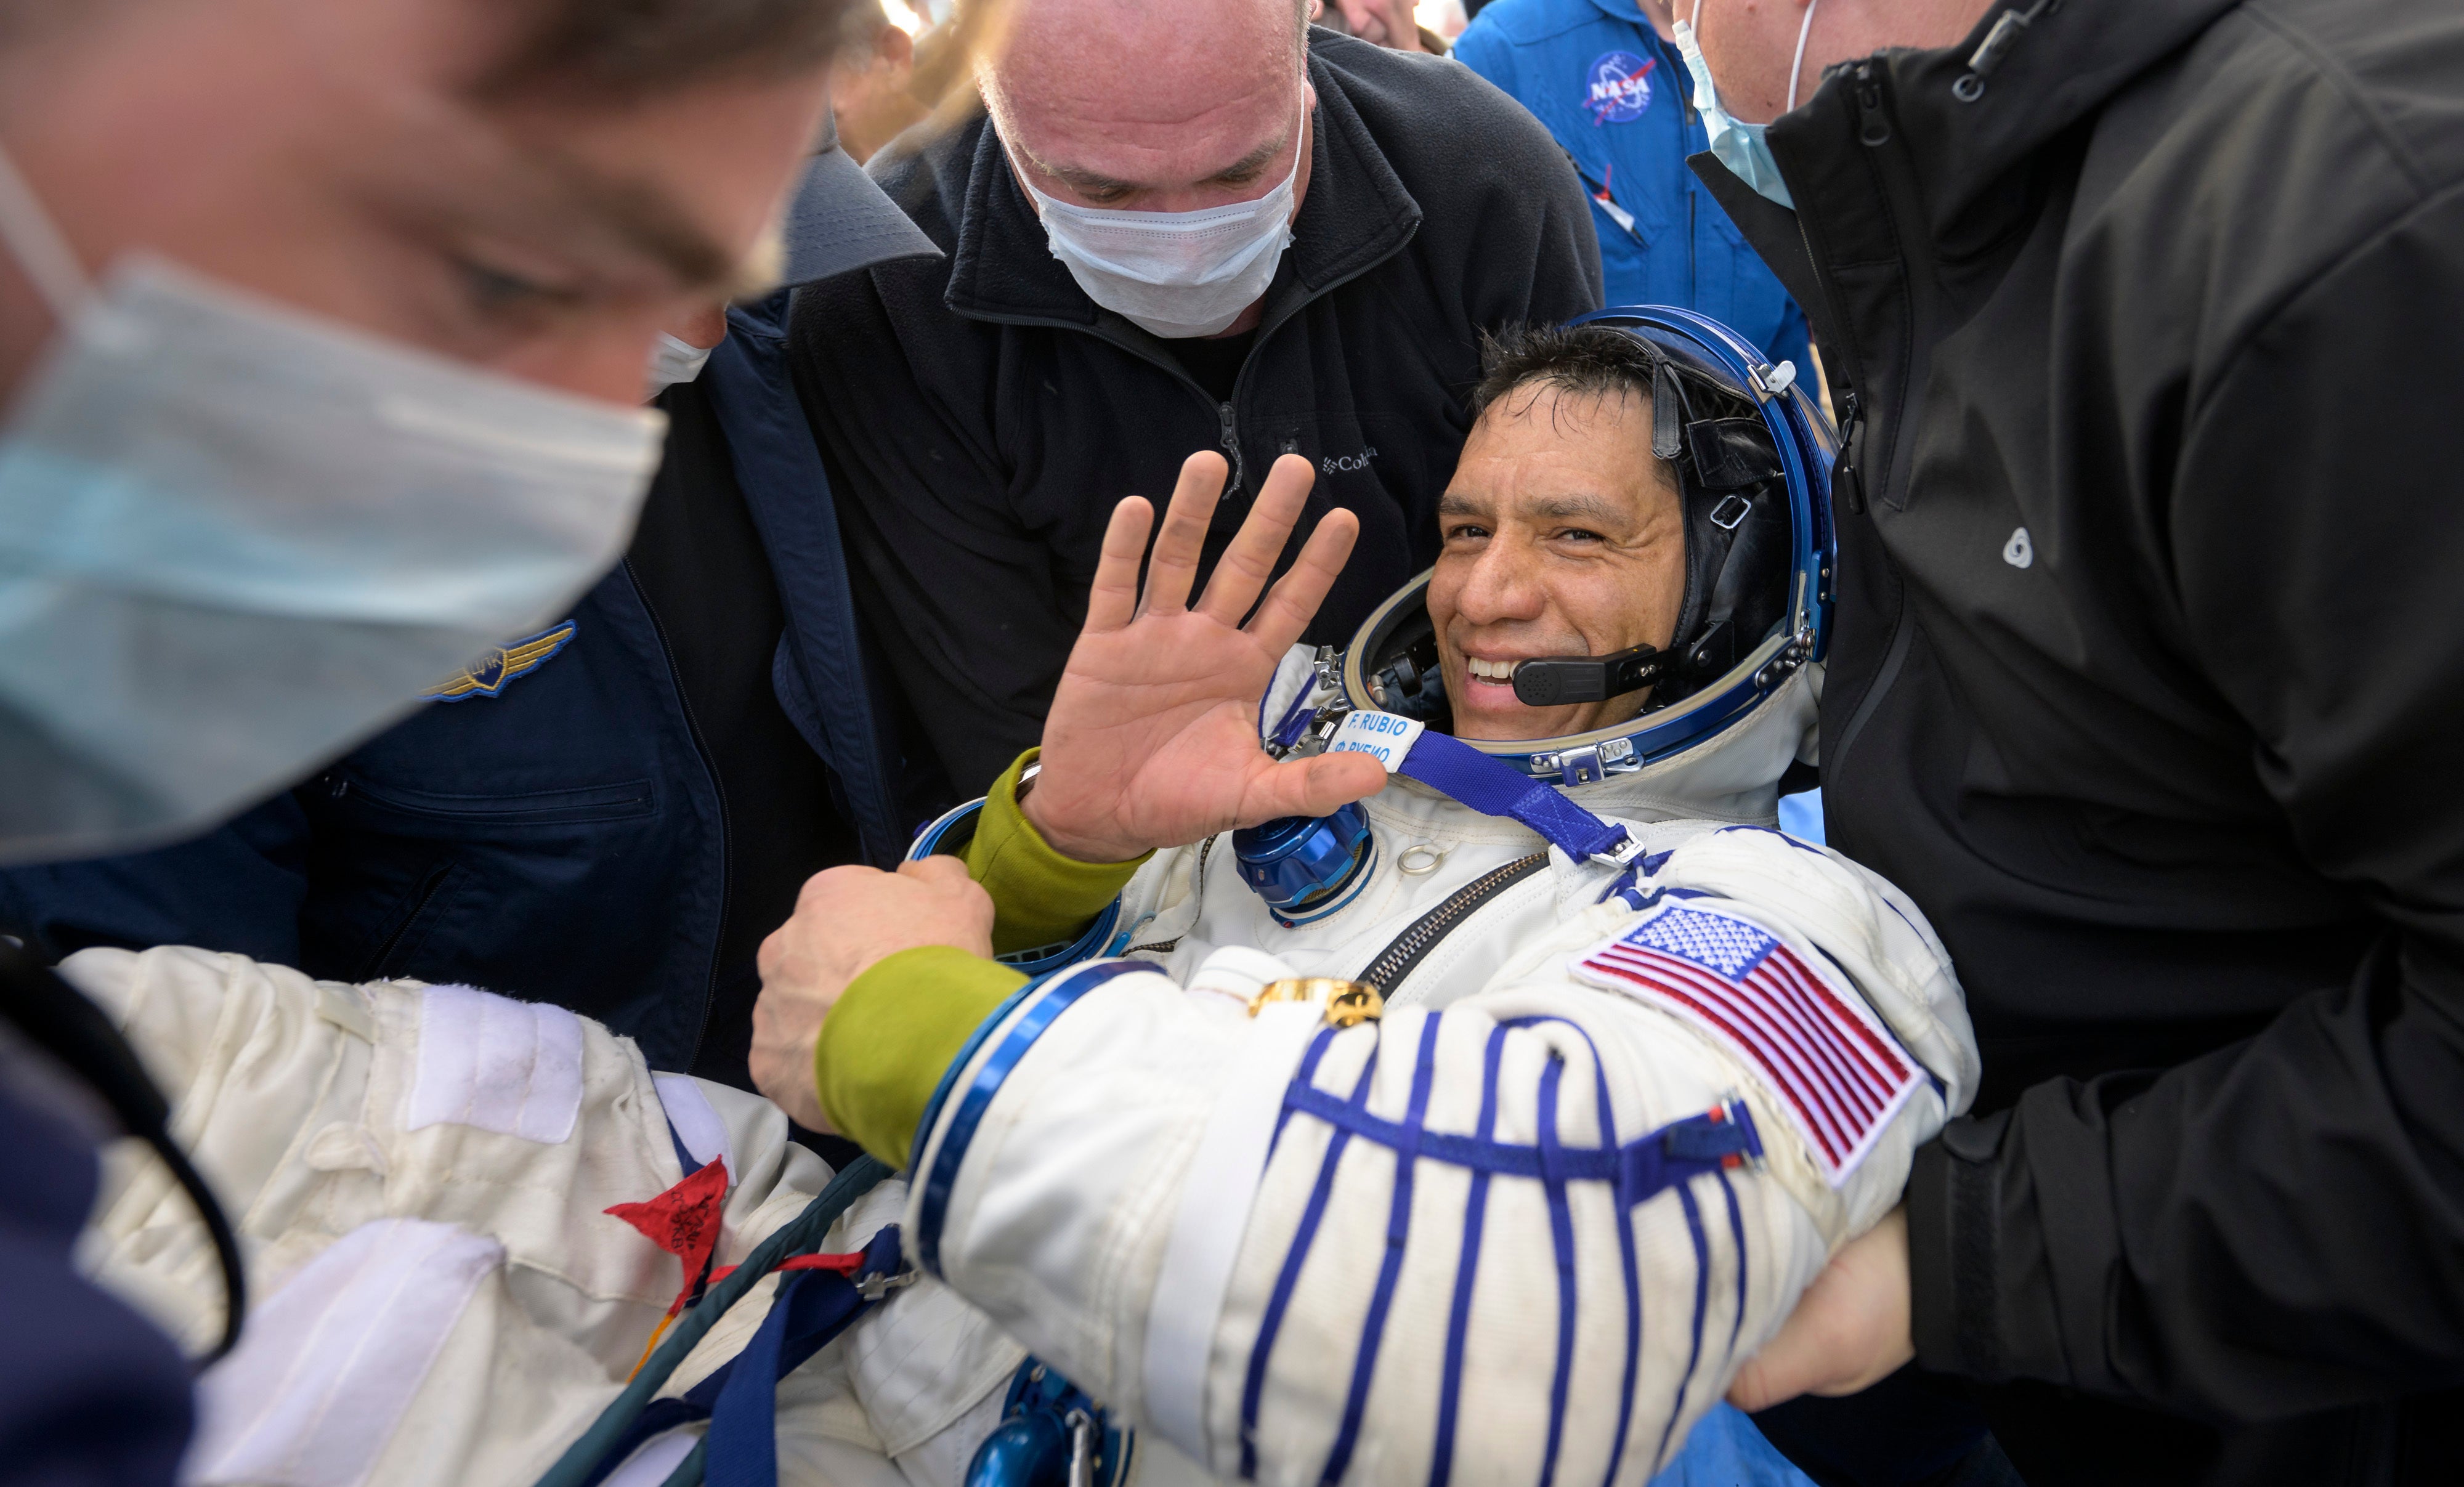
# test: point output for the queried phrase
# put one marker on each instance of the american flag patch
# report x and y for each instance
(1838, 1072)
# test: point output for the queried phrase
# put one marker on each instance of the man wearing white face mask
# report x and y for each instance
(322, 338)
(1184, 225)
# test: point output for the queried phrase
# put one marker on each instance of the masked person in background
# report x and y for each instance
(1192, 223)
(322, 333)
(1478, 1130)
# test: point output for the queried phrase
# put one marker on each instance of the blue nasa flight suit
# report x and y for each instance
(1619, 99)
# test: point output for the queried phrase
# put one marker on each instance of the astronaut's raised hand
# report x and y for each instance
(846, 919)
(1153, 737)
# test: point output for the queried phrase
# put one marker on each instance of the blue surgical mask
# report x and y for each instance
(236, 539)
(1735, 143)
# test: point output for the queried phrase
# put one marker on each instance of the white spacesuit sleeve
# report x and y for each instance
(1531, 1235)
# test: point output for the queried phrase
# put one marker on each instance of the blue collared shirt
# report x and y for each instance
(1618, 97)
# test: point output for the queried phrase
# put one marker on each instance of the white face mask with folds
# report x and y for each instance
(236, 539)
(674, 359)
(1176, 274)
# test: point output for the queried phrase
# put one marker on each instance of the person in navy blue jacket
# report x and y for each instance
(611, 812)
(1604, 79)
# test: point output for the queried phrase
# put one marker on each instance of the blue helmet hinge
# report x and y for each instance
(1300, 864)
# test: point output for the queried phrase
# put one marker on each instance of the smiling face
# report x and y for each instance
(1563, 536)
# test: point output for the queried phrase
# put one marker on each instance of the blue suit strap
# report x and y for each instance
(1640, 1170)
(740, 1398)
(1494, 788)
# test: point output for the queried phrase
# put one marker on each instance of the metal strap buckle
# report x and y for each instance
(1627, 851)
(873, 1288)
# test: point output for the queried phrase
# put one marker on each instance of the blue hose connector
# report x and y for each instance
(1299, 864)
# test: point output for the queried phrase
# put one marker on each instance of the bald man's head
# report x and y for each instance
(1163, 105)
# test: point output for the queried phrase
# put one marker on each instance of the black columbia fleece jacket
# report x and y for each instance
(981, 416)
(2148, 685)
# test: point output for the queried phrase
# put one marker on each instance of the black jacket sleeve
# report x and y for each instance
(2277, 1227)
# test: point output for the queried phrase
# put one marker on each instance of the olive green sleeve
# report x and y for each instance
(896, 1027)
(1039, 896)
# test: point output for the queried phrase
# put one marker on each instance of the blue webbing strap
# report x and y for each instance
(581, 1461)
(740, 1398)
(1493, 788)
(812, 1307)
(1642, 1169)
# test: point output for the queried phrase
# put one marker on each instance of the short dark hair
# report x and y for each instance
(632, 48)
(1577, 360)
(1583, 359)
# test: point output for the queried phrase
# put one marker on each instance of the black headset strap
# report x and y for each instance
(54, 1018)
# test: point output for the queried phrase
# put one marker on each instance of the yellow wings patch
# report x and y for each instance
(489, 677)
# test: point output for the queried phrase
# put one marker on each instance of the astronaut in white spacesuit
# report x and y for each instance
(1475, 1131)
(1653, 1061)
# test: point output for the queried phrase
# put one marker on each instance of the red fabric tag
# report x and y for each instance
(684, 1221)
(843, 1264)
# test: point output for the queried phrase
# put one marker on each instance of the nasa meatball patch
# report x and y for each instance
(1838, 1073)
(1617, 87)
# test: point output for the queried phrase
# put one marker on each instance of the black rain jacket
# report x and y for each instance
(2148, 685)
(981, 416)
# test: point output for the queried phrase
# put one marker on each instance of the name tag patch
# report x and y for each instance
(1840, 1074)
(1383, 735)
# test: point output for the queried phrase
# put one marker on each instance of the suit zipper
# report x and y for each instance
(1403, 957)
(717, 787)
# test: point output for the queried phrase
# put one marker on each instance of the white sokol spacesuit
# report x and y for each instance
(1643, 1065)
